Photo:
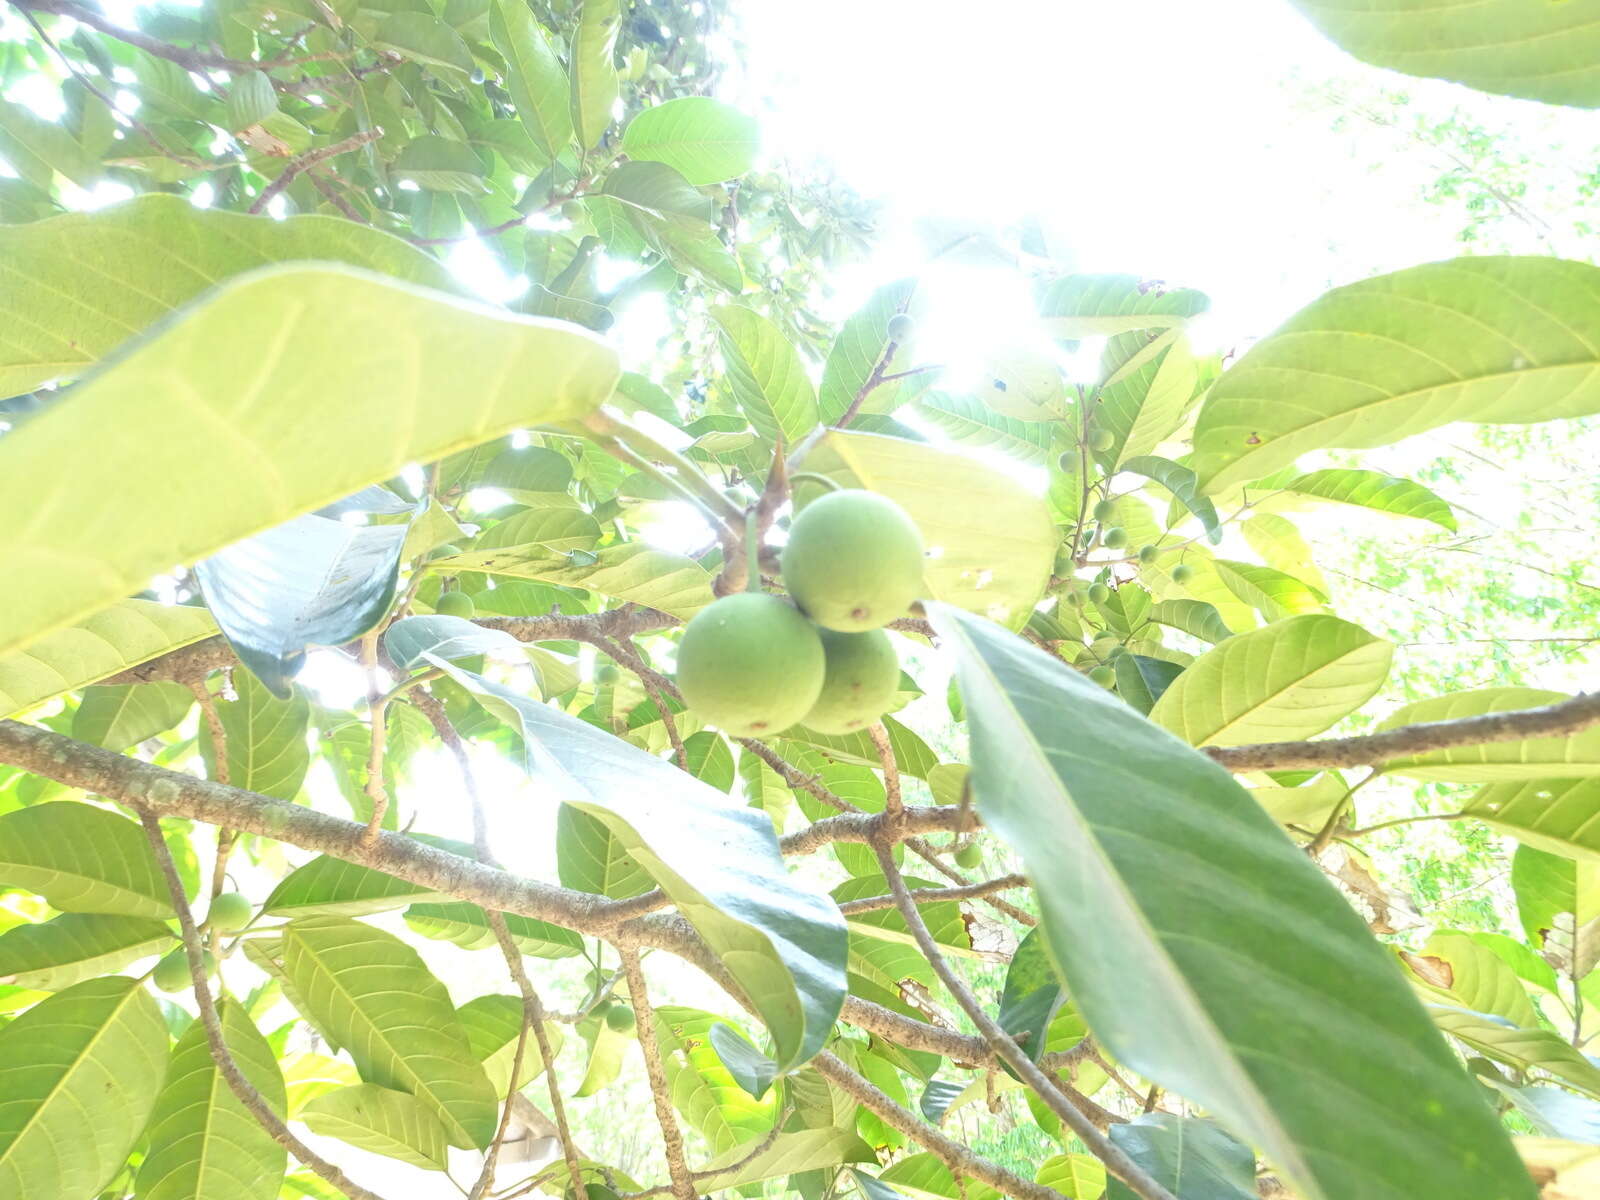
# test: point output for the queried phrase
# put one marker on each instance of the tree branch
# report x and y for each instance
(671, 1136)
(934, 895)
(310, 159)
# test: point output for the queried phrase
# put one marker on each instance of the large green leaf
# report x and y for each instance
(68, 949)
(969, 422)
(493, 1024)
(372, 991)
(1473, 339)
(1078, 306)
(1574, 756)
(1273, 593)
(789, 1154)
(82, 859)
(1180, 481)
(856, 350)
(926, 1177)
(1143, 405)
(467, 926)
(705, 140)
(1377, 491)
(1193, 1158)
(534, 75)
(328, 886)
(594, 71)
(633, 571)
(590, 859)
(122, 715)
(991, 542)
(266, 739)
(1548, 52)
(1283, 682)
(1205, 950)
(37, 149)
(1523, 1049)
(187, 405)
(382, 1120)
(74, 287)
(719, 862)
(1556, 815)
(204, 1143)
(765, 375)
(79, 1073)
(112, 640)
(703, 1089)
(1461, 971)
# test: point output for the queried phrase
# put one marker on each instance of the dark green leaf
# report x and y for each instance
(751, 1069)
(1193, 1158)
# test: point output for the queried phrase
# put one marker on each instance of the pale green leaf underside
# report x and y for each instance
(111, 640)
(1205, 950)
(1548, 52)
(790, 1154)
(467, 926)
(766, 376)
(1377, 491)
(1492, 339)
(1281, 683)
(633, 571)
(381, 1120)
(704, 140)
(55, 954)
(74, 287)
(82, 859)
(1560, 816)
(284, 390)
(1520, 1048)
(1575, 756)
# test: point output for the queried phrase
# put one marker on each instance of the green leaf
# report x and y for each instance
(372, 991)
(467, 926)
(204, 1143)
(1076, 1176)
(633, 571)
(606, 1048)
(76, 286)
(1572, 757)
(68, 949)
(1174, 908)
(124, 715)
(185, 405)
(1080, 306)
(1558, 902)
(410, 639)
(251, 99)
(1141, 680)
(856, 351)
(782, 942)
(704, 140)
(925, 1177)
(266, 739)
(1524, 1049)
(594, 69)
(1273, 593)
(1552, 1111)
(1181, 482)
(1279, 544)
(1143, 405)
(1193, 1158)
(441, 164)
(328, 886)
(424, 38)
(1538, 51)
(1283, 682)
(80, 1073)
(1374, 490)
(590, 859)
(82, 859)
(1194, 617)
(1459, 971)
(1496, 339)
(967, 422)
(751, 1069)
(789, 1154)
(534, 75)
(493, 1024)
(112, 640)
(991, 542)
(765, 375)
(710, 759)
(1032, 994)
(1556, 815)
(38, 150)
(383, 1121)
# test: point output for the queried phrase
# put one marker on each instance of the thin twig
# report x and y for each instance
(891, 770)
(671, 1136)
(308, 160)
(378, 719)
(219, 771)
(241, 1087)
(744, 1160)
(936, 895)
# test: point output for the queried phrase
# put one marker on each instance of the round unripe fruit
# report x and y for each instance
(1068, 461)
(1105, 511)
(573, 211)
(1114, 537)
(456, 604)
(853, 561)
(901, 327)
(859, 680)
(751, 664)
(1182, 573)
(172, 972)
(1076, 598)
(620, 1018)
(1116, 652)
(229, 913)
(1099, 593)
(1148, 554)
(1104, 676)
(969, 856)
(1102, 440)
(606, 673)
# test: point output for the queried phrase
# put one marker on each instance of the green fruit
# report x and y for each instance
(1114, 537)
(229, 913)
(573, 211)
(1148, 554)
(1102, 440)
(1076, 598)
(1105, 511)
(606, 673)
(456, 604)
(1104, 676)
(969, 856)
(620, 1018)
(859, 680)
(1182, 573)
(1116, 652)
(751, 664)
(1068, 461)
(1099, 593)
(448, 550)
(853, 561)
(902, 326)
(172, 972)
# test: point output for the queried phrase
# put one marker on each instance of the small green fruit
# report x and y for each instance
(1099, 593)
(606, 673)
(456, 604)
(751, 664)
(1101, 440)
(1182, 573)
(1114, 537)
(1104, 676)
(969, 856)
(1076, 598)
(172, 972)
(1068, 461)
(573, 211)
(1148, 554)
(853, 561)
(1105, 511)
(229, 913)
(902, 327)
(476, 77)
(859, 681)
(1116, 652)
(620, 1018)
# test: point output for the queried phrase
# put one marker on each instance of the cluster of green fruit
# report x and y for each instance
(754, 663)
(229, 913)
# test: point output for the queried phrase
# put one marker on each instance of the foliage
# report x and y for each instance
(319, 453)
